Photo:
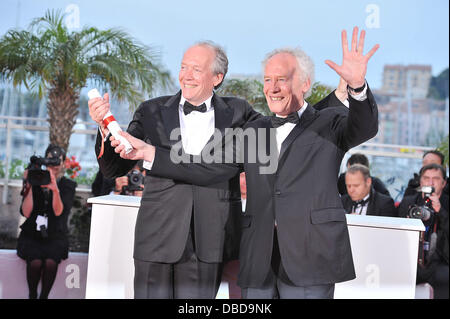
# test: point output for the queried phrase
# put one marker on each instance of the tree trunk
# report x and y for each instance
(62, 110)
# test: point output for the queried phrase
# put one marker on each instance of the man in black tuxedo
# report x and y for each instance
(180, 228)
(359, 158)
(362, 198)
(295, 241)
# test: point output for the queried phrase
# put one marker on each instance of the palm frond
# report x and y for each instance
(47, 57)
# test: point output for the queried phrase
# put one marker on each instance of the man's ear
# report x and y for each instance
(369, 181)
(306, 86)
(218, 79)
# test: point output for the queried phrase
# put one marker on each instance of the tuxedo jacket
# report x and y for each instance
(301, 196)
(303, 199)
(379, 204)
(167, 205)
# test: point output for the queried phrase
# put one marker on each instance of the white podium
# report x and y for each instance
(385, 251)
(110, 271)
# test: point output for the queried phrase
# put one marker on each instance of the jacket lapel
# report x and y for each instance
(264, 126)
(171, 116)
(223, 117)
(307, 118)
(271, 138)
(372, 206)
(223, 113)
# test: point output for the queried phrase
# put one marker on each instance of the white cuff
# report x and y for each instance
(346, 103)
(360, 96)
(147, 165)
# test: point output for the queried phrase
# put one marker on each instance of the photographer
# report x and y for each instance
(429, 157)
(131, 184)
(431, 205)
(47, 200)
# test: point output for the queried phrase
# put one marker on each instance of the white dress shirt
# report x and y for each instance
(283, 131)
(360, 209)
(196, 129)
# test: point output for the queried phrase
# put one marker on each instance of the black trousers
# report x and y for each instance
(278, 285)
(436, 273)
(189, 278)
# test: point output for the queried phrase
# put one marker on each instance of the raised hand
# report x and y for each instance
(354, 63)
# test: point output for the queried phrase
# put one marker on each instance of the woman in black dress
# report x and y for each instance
(43, 241)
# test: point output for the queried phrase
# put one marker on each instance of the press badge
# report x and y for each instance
(41, 221)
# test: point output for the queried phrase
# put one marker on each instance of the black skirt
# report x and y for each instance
(33, 246)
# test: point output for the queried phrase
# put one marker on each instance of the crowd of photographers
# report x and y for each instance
(48, 197)
(426, 198)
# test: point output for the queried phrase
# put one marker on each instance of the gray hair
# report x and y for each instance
(220, 63)
(359, 168)
(305, 64)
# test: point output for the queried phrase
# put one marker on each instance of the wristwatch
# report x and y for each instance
(357, 90)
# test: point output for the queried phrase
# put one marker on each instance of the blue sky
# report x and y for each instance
(409, 32)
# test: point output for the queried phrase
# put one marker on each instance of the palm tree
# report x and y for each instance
(250, 90)
(318, 92)
(60, 63)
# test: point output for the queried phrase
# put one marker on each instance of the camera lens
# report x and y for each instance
(420, 212)
(135, 178)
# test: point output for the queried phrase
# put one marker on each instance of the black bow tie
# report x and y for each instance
(188, 108)
(358, 203)
(279, 121)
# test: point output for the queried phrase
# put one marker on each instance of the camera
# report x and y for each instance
(36, 175)
(422, 212)
(135, 180)
(426, 190)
